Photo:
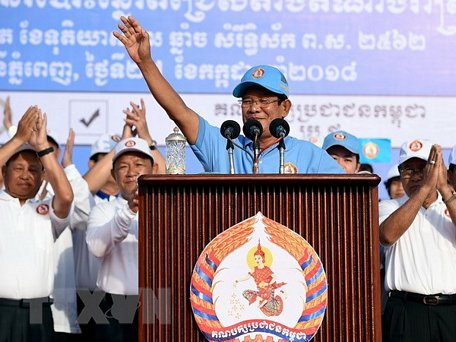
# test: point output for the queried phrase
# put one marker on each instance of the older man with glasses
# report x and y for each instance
(264, 97)
(419, 234)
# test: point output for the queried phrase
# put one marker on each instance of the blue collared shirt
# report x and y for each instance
(300, 156)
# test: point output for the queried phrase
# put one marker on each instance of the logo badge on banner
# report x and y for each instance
(258, 281)
(375, 150)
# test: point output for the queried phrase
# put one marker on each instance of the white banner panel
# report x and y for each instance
(312, 117)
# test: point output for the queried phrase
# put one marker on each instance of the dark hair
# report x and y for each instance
(365, 166)
(97, 156)
(452, 167)
(282, 97)
(51, 140)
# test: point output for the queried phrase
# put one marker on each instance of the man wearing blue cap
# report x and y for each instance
(344, 148)
(264, 97)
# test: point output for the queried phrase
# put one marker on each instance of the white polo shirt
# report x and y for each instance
(423, 260)
(86, 264)
(112, 234)
(27, 260)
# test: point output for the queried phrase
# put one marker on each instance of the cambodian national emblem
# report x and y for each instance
(258, 281)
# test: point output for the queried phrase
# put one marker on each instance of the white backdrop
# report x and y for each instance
(312, 117)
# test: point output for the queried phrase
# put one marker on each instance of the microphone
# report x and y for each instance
(252, 129)
(279, 128)
(230, 129)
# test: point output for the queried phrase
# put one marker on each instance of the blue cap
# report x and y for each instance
(344, 139)
(265, 76)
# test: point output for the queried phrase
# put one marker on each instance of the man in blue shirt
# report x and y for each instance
(264, 97)
(344, 148)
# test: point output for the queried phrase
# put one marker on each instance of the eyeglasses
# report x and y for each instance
(407, 172)
(262, 102)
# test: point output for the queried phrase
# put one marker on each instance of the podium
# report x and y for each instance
(337, 214)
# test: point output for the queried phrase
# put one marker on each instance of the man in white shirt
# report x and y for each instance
(28, 230)
(112, 236)
(419, 234)
(86, 264)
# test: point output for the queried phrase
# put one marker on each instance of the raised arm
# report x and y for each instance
(83, 199)
(23, 134)
(393, 227)
(136, 41)
(136, 117)
(63, 193)
(67, 158)
(99, 174)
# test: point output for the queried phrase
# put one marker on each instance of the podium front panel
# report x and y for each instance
(336, 214)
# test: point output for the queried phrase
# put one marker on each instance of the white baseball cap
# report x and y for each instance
(132, 145)
(104, 144)
(393, 172)
(417, 148)
(452, 159)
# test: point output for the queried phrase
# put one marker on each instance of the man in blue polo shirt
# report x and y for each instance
(344, 148)
(264, 97)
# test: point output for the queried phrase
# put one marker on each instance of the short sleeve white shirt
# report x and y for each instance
(423, 260)
(27, 261)
(112, 235)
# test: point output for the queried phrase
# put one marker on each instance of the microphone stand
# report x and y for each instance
(279, 129)
(256, 153)
(281, 156)
(230, 130)
(230, 149)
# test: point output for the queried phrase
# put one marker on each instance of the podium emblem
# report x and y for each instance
(258, 281)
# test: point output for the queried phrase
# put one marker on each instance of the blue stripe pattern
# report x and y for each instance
(314, 315)
(317, 294)
(211, 263)
(205, 315)
(200, 295)
(306, 263)
(203, 276)
(315, 276)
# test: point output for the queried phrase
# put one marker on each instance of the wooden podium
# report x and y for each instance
(336, 214)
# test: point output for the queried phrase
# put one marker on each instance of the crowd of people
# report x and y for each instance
(69, 247)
